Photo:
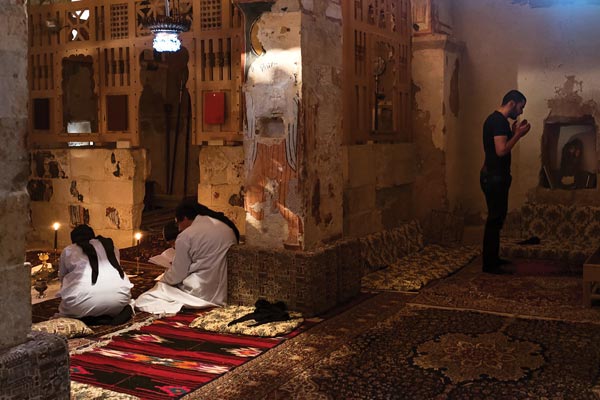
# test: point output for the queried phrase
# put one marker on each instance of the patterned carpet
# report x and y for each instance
(167, 359)
(526, 294)
(468, 336)
(385, 349)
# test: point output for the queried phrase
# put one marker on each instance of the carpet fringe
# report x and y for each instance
(104, 340)
(502, 314)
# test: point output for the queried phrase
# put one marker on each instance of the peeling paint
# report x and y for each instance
(113, 216)
(316, 202)
(40, 189)
(454, 98)
(79, 215)
(47, 166)
(74, 192)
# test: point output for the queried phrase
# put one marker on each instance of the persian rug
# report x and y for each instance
(520, 294)
(386, 349)
(167, 359)
(445, 354)
(259, 377)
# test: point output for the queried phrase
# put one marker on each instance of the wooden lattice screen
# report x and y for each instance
(109, 34)
(377, 48)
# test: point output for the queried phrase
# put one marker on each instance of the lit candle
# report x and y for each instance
(56, 226)
(138, 236)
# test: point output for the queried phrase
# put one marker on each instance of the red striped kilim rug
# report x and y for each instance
(167, 359)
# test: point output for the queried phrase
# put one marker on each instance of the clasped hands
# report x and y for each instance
(521, 128)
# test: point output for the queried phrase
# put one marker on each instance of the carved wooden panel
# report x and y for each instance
(116, 72)
(377, 40)
(111, 32)
(119, 21)
(41, 68)
(218, 68)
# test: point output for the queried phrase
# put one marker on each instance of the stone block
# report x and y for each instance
(15, 312)
(395, 164)
(13, 227)
(362, 224)
(359, 199)
(36, 369)
(221, 165)
(88, 163)
(112, 193)
(358, 165)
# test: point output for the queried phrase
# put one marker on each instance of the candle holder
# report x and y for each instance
(138, 237)
(56, 225)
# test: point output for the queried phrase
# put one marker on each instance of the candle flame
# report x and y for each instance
(56, 225)
(138, 236)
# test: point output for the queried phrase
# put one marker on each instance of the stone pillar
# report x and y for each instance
(293, 183)
(31, 365)
(435, 72)
(15, 312)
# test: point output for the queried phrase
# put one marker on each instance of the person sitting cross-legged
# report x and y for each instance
(198, 276)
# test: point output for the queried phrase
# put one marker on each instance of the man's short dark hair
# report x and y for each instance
(170, 231)
(515, 96)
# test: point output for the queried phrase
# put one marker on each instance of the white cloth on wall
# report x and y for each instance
(108, 296)
(198, 276)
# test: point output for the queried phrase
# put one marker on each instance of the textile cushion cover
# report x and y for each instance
(384, 248)
(412, 272)
(569, 233)
(216, 321)
(67, 327)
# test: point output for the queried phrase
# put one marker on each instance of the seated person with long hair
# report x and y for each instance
(198, 276)
(94, 287)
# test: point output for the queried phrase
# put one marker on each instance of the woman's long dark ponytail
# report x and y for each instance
(81, 236)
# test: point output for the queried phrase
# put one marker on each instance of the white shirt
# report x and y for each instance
(108, 296)
(198, 276)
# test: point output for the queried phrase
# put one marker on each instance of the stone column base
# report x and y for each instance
(36, 369)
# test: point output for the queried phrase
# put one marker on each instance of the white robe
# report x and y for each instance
(198, 276)
(108, 296)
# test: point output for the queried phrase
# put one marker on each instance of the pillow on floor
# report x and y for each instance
(216, 321)
(67, 327)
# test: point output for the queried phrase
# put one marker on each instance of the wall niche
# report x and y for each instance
(569, 156)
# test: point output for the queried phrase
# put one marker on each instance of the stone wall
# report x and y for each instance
(378, 186)
(221, 184)
(100, 187)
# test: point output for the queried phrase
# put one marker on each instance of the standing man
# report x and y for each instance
(499, 138)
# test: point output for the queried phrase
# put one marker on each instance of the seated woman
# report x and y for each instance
(198, 276)
(93, 285)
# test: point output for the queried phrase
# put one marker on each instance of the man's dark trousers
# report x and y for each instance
(495, 188)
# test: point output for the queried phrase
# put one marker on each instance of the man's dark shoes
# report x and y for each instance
(495, 267)
(502, 261)
(496, 271)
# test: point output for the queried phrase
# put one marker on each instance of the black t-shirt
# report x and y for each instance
(496, 125)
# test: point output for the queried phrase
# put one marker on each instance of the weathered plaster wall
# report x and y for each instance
(221, 184)
(101, 187)
(532, 49)
(378, 186)
(435, 74)
(321, 180)
(273, 97)
(15, 312)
